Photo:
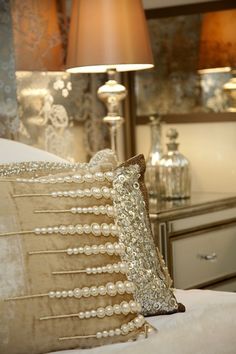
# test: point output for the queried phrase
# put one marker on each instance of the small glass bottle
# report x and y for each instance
(174, 171)
(152, 163)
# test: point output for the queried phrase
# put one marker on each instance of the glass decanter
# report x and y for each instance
(152, 163)
(174, 171)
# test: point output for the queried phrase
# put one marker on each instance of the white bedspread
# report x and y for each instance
(207, 327)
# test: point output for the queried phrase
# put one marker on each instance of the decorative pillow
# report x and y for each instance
(146, 267)
(63, 283)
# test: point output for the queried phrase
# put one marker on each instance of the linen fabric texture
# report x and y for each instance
(61, 285)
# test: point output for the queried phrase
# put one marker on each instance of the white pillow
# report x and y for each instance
(13, 151)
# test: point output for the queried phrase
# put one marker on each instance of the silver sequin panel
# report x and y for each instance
(145, 267)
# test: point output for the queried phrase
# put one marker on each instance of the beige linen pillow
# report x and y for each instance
(63, 283)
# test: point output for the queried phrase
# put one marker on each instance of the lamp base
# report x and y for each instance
(111, 94)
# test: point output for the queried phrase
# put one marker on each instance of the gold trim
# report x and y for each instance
(25, 297)
(46, 252)
(31, 195)
(78, 337)
(62, 272)
(45, 318)
(14, 233)
(52, 211)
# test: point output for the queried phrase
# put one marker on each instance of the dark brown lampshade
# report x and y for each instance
(108, 34)
(218, 41)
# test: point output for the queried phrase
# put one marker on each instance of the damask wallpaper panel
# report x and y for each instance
(42, 106)
(60, 113)
(9, 121)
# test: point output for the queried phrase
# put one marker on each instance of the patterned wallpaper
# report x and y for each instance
(60, 113)
(174, 86)
(44, 106)
(9, 121)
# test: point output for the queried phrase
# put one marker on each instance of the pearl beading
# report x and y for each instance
(108, 248)
(79, 229)
(137, 322)
(111, 289)
(109, 268)
(96, 209)
(125, 328)
(98, 193)
(78, 178)
(123, 308)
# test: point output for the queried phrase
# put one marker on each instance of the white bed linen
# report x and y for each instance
(207, 327)
(13, 151)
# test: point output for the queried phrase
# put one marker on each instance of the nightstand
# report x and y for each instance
(197, 238)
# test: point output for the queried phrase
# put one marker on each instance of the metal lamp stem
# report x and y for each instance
(111, 94)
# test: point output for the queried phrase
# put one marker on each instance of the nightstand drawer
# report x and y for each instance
(204, 257)
(201, 220)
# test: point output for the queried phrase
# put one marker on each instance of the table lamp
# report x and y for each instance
(218, 48)
(109, 36)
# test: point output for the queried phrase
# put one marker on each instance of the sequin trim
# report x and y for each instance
(11, 169)
(152, 290)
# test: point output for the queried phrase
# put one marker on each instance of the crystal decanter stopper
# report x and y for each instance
(174, 170)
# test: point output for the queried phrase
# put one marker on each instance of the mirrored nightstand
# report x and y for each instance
(197, 238)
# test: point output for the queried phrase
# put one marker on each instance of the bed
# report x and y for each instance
(208, 325)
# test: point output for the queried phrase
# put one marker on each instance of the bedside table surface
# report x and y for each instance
(199, 201)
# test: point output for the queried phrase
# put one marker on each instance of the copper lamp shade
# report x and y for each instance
(218, 41)
(108, 34)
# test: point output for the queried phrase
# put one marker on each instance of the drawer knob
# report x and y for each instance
(208, 257)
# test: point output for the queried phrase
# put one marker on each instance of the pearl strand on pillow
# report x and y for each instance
(123, 308)
(125, 328)
(108, 248)
(96, 209)
(96, 229)
(111, 289)
(78, 178)
(108, 268)
(79, 229)
(98, 193)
